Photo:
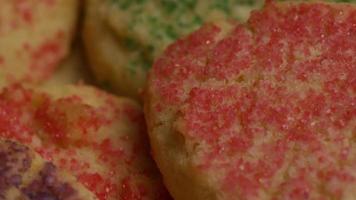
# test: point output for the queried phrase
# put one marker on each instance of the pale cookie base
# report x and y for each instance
(34, 37)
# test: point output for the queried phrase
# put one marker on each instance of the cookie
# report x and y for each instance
(261, 110)
(34, 37)
(98, 138)
(122, 38)
(25, 175)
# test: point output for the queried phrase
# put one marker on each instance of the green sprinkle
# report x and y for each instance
(246, 2)
(189, 4)
(197, 20)
(125, 4)
(130, 43)
(169, 6)
(171, 33)
(146, 64)
(222, 5)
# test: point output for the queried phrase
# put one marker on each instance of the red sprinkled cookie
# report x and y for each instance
(264, 110)
(98, 138)
(34, 37)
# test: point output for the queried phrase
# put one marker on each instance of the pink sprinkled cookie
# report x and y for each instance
(263, 110)
(97, 138)
(34, 37)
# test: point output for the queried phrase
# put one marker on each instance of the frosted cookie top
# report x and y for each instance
(266, 110)
(98, 138)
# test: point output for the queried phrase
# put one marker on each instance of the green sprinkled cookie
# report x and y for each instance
(123, 37)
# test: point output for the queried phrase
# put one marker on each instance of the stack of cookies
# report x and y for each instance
(185, 100)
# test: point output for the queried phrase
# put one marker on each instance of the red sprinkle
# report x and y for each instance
(24, 8)
(68, 131)
(270, 108)
(2, 60)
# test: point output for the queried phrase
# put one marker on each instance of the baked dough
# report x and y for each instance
(96, 137)
(35, 36)
(123, 37)
(24, 175)
(262, 110)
